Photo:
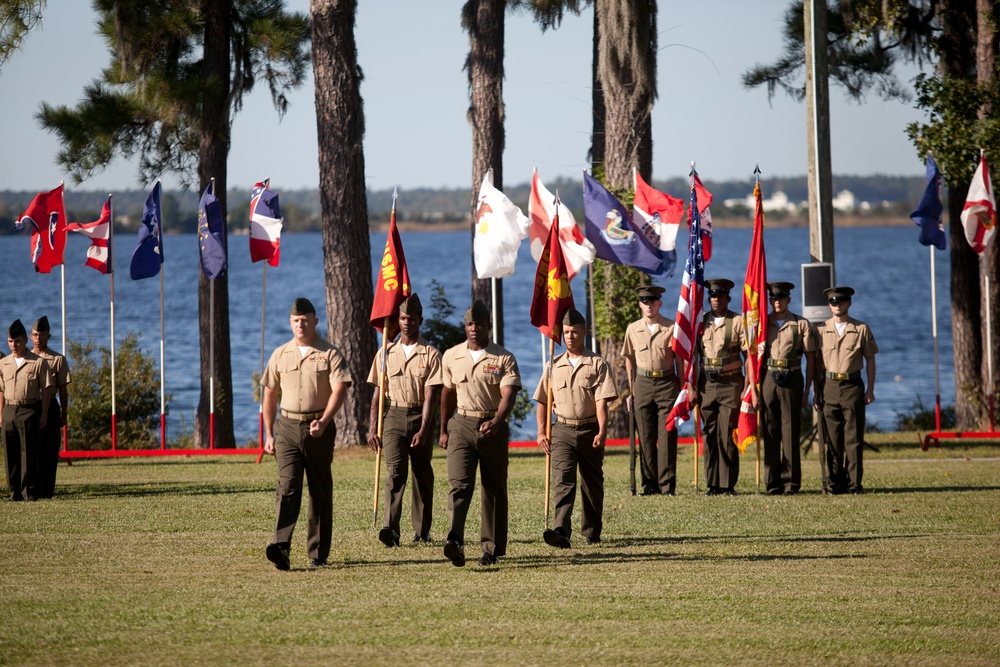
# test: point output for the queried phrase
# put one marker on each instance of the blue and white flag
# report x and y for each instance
(148, 253)
(211, 234)
(928, 212)
(614, 235)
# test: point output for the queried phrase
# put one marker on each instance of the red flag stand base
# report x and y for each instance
(122, 453)
(938, 436)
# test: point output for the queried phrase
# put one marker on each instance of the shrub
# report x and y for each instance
(921, 418)
(137, 396)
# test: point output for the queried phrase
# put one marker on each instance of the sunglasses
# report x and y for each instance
(648, 299)
(837, 299)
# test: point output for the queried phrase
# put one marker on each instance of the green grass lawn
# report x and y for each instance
(161, 562)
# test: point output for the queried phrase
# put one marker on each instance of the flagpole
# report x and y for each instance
(263, 312)
(383, 379)
(934, 333)
(111, 265)
(989, 348)
(697, 443)
(593, 309)
(548, 431)
(62, 272)
(163, 392)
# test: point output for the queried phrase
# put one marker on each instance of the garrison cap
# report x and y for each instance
(478, 312)
(16, 330)
(303, 306)
(842, 292)
(573, 317)
(780, 290)
(648, 291)
(719, 285)
(411, 306)
(41, 325)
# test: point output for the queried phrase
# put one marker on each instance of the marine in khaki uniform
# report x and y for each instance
(783, 392)
(581, 387)
(413, 370)
(308, 377)
(846, 345)
(481, 381)
(48, 456)
(25, 386)
(653, 373)
(720, 384)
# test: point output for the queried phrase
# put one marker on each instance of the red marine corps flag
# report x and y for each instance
(46, 215)
(754, 323)
(552, 296)
(392, 284)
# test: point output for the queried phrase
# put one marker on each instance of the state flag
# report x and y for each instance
(99, 232)
(212, 234)
(265, 224)
(979, 216)
(148, 254)
(577, 250)
(46, 216)
(614, 235)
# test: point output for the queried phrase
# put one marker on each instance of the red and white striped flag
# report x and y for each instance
(979, 216)
(265, 224)
(576, 249)
(99, 232)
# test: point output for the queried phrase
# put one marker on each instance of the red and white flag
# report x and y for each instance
(99, 233)
(46, 216)
(265, 224)
(755, 326)
(979, 216)
(661, 212)
(577, 250)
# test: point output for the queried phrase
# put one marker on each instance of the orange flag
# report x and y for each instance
(392, 285)
(552, 296)
(755, 325)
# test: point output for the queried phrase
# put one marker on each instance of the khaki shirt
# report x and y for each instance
(844, 354)
(408, 377)
(59, 366)
(791, 340)
(477, 385)
(650, 352)
(305, 382)
(26, 383)
(712, 343)
(575, 391)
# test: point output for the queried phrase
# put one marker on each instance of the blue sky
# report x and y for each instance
(415, 96)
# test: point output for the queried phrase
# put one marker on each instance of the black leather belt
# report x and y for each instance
(662, 373)
(843, 377)
(785, 364)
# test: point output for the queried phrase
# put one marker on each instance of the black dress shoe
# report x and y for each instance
(318, 562)
(649, 492)
(278, 554)
(730, 492)
(487, 559)
(418, 538)
(775, 492)
(713, 491)
(668, 493)
(556, 538)
(592, 540)
(388, 537)
(857, 491)
(454, 552)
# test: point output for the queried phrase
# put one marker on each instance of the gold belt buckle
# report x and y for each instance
(713, 362)
(840, 376)
(654, 374)
(780, 363)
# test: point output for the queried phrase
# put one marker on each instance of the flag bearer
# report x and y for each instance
(581, 388)
(720, 385)
(653, 374)
(413, 369)
(51, 435)
(25, 385)
(481, 381)
(309, 377)
(845, 344)
(783, 392)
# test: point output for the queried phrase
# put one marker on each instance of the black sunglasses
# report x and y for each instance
(838, 299)
(648, 299)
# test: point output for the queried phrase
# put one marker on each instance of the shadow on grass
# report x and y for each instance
(89, 491)
(931, 489)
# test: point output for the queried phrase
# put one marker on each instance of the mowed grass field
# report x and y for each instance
(161, 562)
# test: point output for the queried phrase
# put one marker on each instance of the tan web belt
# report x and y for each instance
(405, 406)
(24, 403)
(576, 422)
(301, 416)
(843, 377)
(478, 414)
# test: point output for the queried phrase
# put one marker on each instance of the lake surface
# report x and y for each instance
(886, 265)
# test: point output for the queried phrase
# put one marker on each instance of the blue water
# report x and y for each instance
(887, 267)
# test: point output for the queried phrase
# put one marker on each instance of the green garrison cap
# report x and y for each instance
(303, 306)
(41, 325)
(649, 291)
(842, 292)
(411, 306)
(780, 290)
(719, 285)
(573, 318)
(16, 330)
(477, 313)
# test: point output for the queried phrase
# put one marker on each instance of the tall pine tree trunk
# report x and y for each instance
(484, 21)
(346, 245)
(213, 151)
(625, 68)
(988, 16)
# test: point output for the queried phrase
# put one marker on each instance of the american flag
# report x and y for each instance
(689, 308)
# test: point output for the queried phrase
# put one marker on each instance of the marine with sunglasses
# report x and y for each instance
(846, 344)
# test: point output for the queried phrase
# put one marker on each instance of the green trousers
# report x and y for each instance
(844, 412)
(782, 432)
(720, 411)
(653, 400)
(468, 449)
(573, 448)
(399, 427)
